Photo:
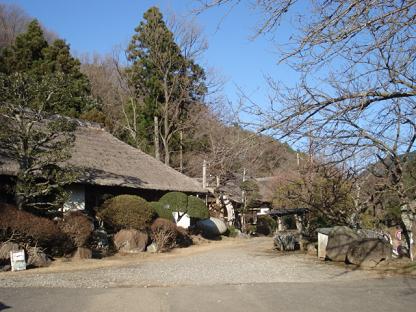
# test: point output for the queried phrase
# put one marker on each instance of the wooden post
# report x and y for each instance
(280, 226)
(244, 200)
(181, 151)
(204, 174)
(156, 137)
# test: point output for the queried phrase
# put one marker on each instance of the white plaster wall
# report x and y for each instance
(263, 211)
(184, 222)
(76, 200)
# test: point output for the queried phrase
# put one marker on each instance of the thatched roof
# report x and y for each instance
(267, 187)
(108, 161)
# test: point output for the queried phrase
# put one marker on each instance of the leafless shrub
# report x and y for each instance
(164, 234)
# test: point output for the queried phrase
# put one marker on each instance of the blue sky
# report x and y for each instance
(95, 26)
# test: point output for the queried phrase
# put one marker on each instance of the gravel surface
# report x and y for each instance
(245, 262)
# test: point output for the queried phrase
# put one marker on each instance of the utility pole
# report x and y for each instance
(181, 151)
(298, 159)
(204, 174)
(156, 137)
(244, 200)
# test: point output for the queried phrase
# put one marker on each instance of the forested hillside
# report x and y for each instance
(153, 94)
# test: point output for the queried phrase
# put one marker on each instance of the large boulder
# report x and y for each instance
(131, 241)
(37, 258)
(340, 238)
(5, 249)
(369, 252)
(212, 227)
(285, 241)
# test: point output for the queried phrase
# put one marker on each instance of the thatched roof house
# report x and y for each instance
(111, 166)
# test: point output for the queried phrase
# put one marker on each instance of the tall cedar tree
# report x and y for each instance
(32, 55)
(165, 82)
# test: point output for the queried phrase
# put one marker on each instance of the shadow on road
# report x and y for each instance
(3, 306)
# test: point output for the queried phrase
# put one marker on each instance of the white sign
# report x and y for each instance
(17, 259)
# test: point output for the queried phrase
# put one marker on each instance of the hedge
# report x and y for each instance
(127, 212)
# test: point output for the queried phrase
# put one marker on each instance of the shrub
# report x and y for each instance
(127, 212)
(232, 231)
(197, 208)
(78, 227)
(162, 210)
(251, 229)
(25, 228)
(177, 201)
(183, 238)
(164, 234)
(266, 225)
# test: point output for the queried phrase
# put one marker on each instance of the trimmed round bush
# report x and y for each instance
(177, 201)
(197, 208)
(78, 227)
(127, 212)
(162, 210)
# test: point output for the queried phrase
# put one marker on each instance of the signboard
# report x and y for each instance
(17, 259)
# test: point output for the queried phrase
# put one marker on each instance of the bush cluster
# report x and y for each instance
(177, 201)
(127, 212)
(25, 228)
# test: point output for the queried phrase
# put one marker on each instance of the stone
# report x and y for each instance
(369, 252)
(37, 258)
(5, 249)
(6, 268)
(312, 249)
(152, 248)
(285, 241)
(131, 241)
(212, 227)
(366, 233)
(340, 238)
(82, 253)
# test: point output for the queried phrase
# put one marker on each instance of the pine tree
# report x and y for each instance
(32, 55)
(26, 53)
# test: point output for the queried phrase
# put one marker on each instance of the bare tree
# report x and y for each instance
(14, 21)
(356, 96)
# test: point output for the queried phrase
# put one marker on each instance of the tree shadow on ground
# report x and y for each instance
(4, 306)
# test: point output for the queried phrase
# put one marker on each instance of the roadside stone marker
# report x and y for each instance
(17, 260)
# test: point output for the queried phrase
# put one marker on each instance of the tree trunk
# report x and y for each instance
(19, 198)
(156, 138)
(181, 152)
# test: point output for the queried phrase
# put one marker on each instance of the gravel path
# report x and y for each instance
(245, 262)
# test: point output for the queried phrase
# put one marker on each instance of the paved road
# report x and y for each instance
(393, 294)
(246, 276)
